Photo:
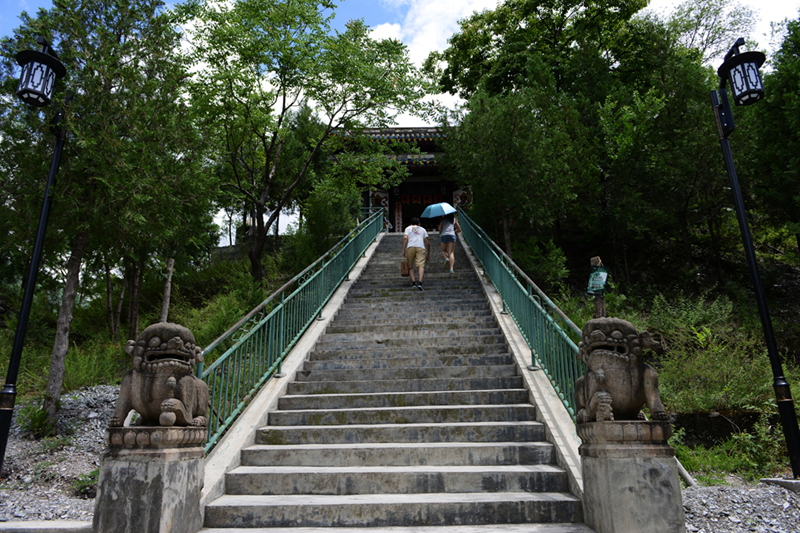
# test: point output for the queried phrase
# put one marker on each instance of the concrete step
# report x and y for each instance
(505, 431)
(483, 528)
(456, 289)
(427, 303)
(417, 342)
(393, 385)
(355, 362)
(424, 331)
(480, 371)
(381, 510)
(396, 399)
(425, 414)
(407, 479)
(369, 325)
(386, 352)
(401, 454)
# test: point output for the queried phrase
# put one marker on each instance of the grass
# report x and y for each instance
(85, 485)
(760, 453)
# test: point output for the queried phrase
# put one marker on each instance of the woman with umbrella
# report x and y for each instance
(448, 227)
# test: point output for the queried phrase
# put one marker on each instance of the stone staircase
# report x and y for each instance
(410, 415)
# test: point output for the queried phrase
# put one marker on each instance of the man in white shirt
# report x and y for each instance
(417, 250)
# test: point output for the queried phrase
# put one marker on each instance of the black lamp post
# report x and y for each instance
(37, 80)
(741, 69)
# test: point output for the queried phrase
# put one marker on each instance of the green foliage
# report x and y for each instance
(43, 472)
(775, 164)
(93, 363)
(85, 485)
(33, 418)
(544, 262)
(759, 453)
(51, 444)
(232, 298)
(708, 362)
(268, 62)
(329, 214)
(516, 151)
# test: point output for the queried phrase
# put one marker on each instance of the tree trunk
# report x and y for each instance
(109, 302)
(118, 315)
(55, 378)
(167, 290)
(258, 238)
(130, 281)
(136, 292)
(275, 241)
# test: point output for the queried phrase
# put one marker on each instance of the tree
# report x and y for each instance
(517, 153)
(494, 48)
(778, 127)
(263, 60)
(131, 180)
(711, 26)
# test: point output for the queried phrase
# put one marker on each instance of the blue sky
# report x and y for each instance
(374, 12)
(425, 25)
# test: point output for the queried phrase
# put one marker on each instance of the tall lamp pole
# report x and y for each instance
(741, 69)
(37, 80)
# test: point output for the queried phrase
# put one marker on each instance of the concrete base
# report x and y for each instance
(152, 482)
(630, 478)
(46, 526)
(788, 484)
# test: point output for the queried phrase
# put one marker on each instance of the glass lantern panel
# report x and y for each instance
(752, 76)
(738, 81)
(36, 83)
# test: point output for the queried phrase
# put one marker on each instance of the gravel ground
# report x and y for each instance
(37, 479)
(38, 476)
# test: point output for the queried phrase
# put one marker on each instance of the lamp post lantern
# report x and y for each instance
(741, 70)
(39, 73)
(36, 84)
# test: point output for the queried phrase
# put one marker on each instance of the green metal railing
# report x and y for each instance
(254, 348)
(550, 334)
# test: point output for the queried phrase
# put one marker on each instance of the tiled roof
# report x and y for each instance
(399, 134)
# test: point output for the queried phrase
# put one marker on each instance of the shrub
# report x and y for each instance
(750, 455)
(708, 363)
(33, 419)
(85, 485)
(544, 262)
(94, 363)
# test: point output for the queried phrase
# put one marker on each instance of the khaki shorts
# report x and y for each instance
(416, 256)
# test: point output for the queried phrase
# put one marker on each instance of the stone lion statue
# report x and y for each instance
(161, 386)
(617, 383)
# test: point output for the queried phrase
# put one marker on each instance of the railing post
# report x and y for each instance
(281, 324)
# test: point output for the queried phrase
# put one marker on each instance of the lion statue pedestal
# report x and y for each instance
(151, 475)
(630, 476)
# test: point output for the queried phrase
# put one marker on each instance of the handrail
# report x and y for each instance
(552, 348)
(257, 344)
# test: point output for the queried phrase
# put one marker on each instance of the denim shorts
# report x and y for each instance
(448, 238)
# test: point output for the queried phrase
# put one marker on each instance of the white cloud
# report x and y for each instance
(387, 31)
(428, 25)
(426, 28)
